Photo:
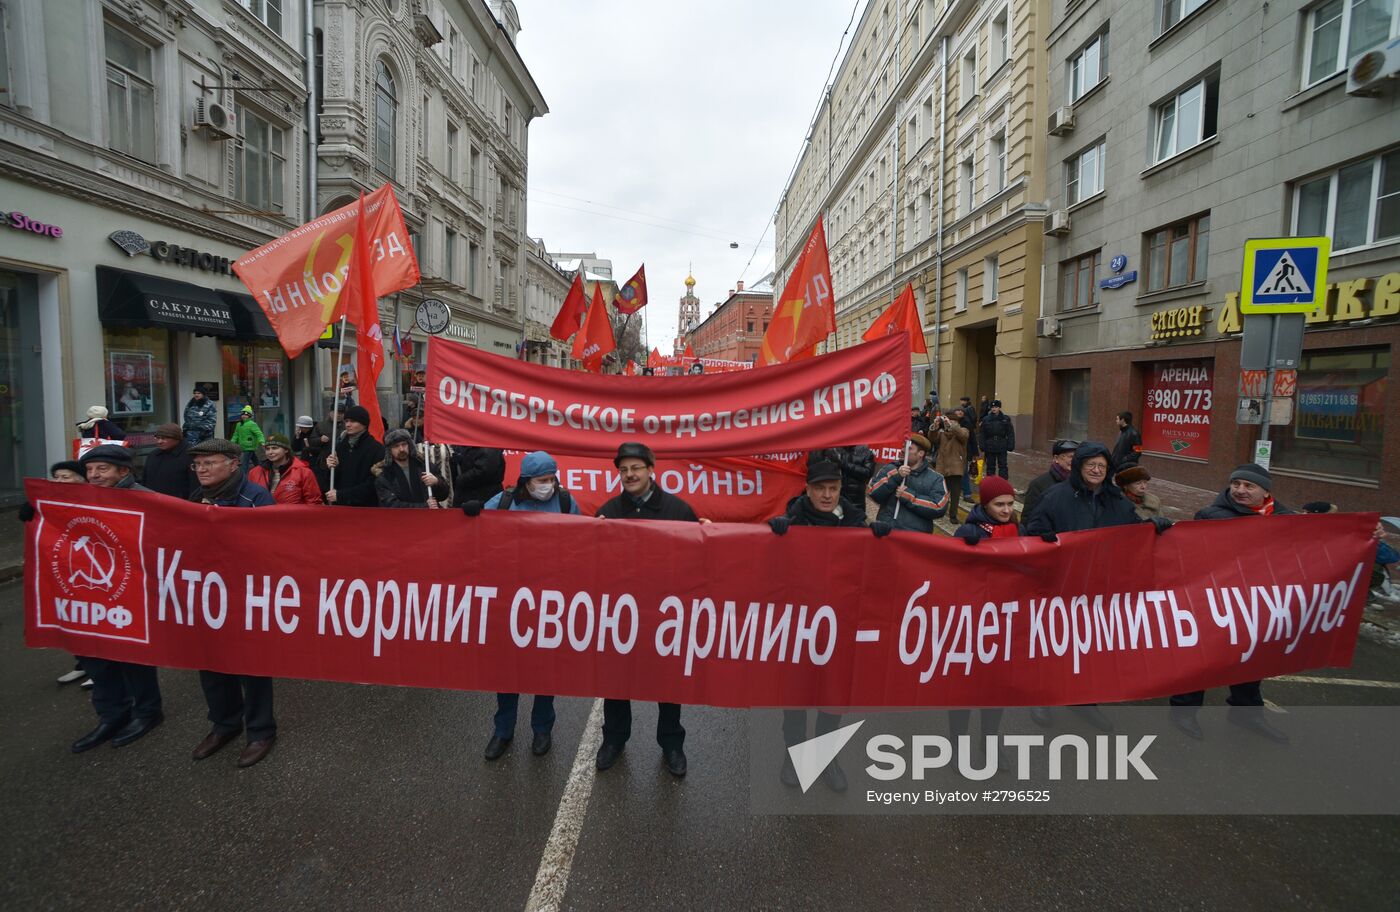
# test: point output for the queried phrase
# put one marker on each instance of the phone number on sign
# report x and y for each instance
(1190, 400)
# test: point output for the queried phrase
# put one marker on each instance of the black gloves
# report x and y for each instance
(472, 507)
(1161, 523)
(26, 512)
(971, 540)
(881, 528)
(779, 525)
(1049, 537)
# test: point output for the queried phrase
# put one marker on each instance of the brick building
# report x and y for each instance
(734, 330)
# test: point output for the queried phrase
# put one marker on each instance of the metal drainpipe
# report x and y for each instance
(309, 209)
(942, 171)
(894, 185)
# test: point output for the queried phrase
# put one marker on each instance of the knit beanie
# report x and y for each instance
(1255, 473)
(992, 487)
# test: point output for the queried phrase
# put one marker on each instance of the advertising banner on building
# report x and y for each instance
(847, 397)
(1177, 400)
(722, 614)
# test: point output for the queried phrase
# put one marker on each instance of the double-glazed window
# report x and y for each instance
(999, 39)
(1088, 67)
(1177, 254)
(269, 12)
(996, 163)
(1077, 282)
(1186, 119)
(259, 162)
(131, 96)
(967, 182)
(1336, 32)
(1084, 173)
(386, 113)
(1356, 205)
(1170, 12)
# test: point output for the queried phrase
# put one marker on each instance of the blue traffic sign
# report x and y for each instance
(1284, 275)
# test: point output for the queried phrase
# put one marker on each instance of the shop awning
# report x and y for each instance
(248, 317)
(138, 299)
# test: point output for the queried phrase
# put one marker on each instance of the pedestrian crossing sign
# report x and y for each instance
(1284, 275)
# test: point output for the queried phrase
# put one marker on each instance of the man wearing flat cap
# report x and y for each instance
(1061, 459)
(642, 498)
(356, 454)
(235, 702)
(912, 495)
(170, 469)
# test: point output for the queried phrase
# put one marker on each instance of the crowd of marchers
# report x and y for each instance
(1086, 486)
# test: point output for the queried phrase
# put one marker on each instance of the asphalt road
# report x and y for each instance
(378, 798)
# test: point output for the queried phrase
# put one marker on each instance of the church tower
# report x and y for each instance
(689, 314)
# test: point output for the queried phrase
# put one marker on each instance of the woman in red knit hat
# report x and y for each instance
(995, 514)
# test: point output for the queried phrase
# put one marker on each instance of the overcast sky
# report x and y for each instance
(686, 116)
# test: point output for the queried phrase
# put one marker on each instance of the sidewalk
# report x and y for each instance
(11, 546)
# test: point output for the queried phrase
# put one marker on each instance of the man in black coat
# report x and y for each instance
(998, 439)
(481, 471)
(1250, 493)
(857, 467)
(168, 470)
(642, 498)
(969, 421)
(1061, 458)
(402, 480)
(1127, 450)
(355, 456)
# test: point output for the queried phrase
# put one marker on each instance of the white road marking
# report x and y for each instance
(867, 636)
(1349, 682)
(552, 877)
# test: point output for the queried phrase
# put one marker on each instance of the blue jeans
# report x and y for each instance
(507, 707)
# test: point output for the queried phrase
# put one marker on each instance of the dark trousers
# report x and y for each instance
(1246, 694)
(122, 690)
(795, 725)
(960, 721)
(617, 723)
(508, 706)
(996, 465)
(954, 484)
(239, 701)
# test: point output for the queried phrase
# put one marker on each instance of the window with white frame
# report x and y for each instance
(911, 139)
(474, 186)
(926, 213)
(968, 71)
(960, 299)
(454, 51)
(1087, 67)
(476, 80)
(453, 152)
(996, 163)
(259, 162)
(269, 12)
(1356, 205)
(449, 256)
(967, 182)
(508, 121)
(911, 223)
(386, 113)
(1173, 11)
(991, 278)
(999, 39)
(1186, 119)
(1338, 31)
(131, 96)
(1084, 173)
(473, 265)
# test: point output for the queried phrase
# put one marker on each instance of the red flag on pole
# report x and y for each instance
(901, 316)
(570, 316)
(362, 309)
(654, 359)
(632, 297)
(631, 369)
(595, 338)
(806, 312)
(689, 352)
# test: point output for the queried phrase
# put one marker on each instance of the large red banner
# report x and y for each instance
(850, 396)
(721, 614)
(739, 489)
(1177, 401)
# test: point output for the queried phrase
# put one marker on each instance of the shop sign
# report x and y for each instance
(459, 329)
(21, 222)
(133, 244)
(1177, 401)
(1345, 302)
(1328, 413)
(1177, 322)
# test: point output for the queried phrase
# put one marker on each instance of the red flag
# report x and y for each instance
(689, 352)
(901, 316)
(362, 310)
(654, 359)
(806, 312)
(595, 338)
(631, 369)
(299, 278)
(570, 316)
(632, 297)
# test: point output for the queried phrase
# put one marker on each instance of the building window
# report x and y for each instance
(1355, 205)
(1339, 31)
(259, 162)
(996, 163)
(508, 121)
(1186, 119)
(269, 12)
(1173, 11)
(454, 51)
(1339, 425)
(320, 71)
(999, 39)
(1077, 282)
(453, 144)
(911, 223)
(1084, 173)
(476, 80)
(960, 302)
(1073, 423)
(475, 186)
(1176, 255)
(967, 183)
(991, 278)
(1087, 67)
(968, 86)
(131, 96)
(449, 256)
(386, 112)
(750, 326)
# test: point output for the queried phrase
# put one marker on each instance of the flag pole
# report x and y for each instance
(902, 483)
(335, 402)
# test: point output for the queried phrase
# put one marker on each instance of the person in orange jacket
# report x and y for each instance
(290, 480)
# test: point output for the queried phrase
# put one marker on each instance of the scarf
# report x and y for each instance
(1266, 508)
(228, 490)
(1059, 473)
(1001, 530)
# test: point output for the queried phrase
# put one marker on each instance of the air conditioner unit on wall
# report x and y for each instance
(1058, 223)
(214, 120)
(1370, 73)
(1047, 328)
(1061, 121)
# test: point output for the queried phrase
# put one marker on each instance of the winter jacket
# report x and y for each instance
(480, 473)
(396, 489)
(925, 497)
(1224, 507)
(313, 452)
(1037, 488)
(170, 472)
(200, 419)
(802, 512)
(1128, 450)
(1072, 507)
(952, 451)
(918, 424)
(105, 429)
(129, 484)
(354, 478)
(979, 526)
(857, 465)
(535, 465)
(1151, 506)
(247, 435)
(969, 421)
(998, 433)
(657, 505)
(297, 484)
(247, 495)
